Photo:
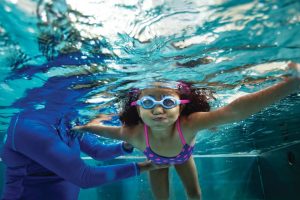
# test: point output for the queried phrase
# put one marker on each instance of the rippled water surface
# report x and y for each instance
(80, 55)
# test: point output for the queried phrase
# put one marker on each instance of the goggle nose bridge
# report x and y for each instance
(161, 102)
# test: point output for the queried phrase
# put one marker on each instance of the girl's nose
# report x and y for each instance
(158, 109)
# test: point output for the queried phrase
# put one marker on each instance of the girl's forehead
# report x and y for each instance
(159, 92)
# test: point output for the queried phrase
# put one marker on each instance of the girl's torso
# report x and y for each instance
(174, 149)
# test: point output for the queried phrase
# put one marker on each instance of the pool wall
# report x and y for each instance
(269, 176)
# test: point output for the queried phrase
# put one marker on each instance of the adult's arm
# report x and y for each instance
(90, 144)
(39, 142)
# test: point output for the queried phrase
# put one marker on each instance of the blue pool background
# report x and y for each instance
(78, 55)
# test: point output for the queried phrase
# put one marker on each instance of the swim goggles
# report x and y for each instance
(167, 102)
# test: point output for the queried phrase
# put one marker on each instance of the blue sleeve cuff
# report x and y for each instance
(137, 169)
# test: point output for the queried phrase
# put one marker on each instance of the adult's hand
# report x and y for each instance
(148, 166)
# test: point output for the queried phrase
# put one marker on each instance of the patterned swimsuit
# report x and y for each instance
(182, 157)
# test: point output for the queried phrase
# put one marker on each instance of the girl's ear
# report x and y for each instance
(182, 106)
(138, 111)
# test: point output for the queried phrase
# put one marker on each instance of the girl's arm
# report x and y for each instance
(246, 105)
(95, 127)
(105, 131)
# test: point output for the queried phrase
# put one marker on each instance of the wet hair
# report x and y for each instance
(199, 102)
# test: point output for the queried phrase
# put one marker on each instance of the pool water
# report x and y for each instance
(90, 52)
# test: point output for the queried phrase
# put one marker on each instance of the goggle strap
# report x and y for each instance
(184, 101)
(133, 103)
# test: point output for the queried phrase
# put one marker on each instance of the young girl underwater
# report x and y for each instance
(163, 121)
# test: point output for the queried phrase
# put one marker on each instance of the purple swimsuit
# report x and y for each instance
(182, 157)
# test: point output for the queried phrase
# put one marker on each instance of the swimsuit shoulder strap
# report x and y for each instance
(180, 132)
(146, 135)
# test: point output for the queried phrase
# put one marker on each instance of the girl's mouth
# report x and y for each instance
(159, 118)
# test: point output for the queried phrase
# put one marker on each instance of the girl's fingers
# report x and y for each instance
(295, 67)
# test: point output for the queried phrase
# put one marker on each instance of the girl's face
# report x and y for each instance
(158, 116)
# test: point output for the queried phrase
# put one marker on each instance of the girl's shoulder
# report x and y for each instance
(184, 121)
(133, 131)
(187, 128)
(134, 135)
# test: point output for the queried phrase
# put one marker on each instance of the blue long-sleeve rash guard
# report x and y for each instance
(42, 163)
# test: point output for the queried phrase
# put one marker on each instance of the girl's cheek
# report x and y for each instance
(175, 111)
(143, 114)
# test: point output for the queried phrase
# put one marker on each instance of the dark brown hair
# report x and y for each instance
(198, 102)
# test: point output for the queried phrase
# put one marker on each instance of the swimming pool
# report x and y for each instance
(90, 51)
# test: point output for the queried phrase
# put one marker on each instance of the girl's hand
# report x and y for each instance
(295, 69)
(99, 119)
(93, 122)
